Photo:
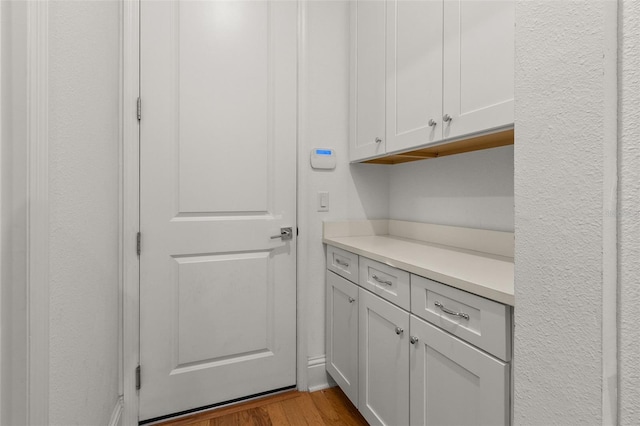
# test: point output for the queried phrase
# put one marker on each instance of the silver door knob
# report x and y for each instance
(351, 300)
(399, 331)
(413, 340)
(378, 140)
(285, 234)
(447, 118)
(432, 122)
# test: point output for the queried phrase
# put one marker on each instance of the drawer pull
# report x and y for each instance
(450, 312)
(399, 330)
(380, 280)
(414, 340)
(351, 300)
(342, 262)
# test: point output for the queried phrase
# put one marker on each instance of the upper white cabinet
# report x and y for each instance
(478, 65)
(414, 73)
(426, 72)
(368, 33)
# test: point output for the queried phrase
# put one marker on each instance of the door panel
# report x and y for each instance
(414, 73)
(367, 79)
(479, 63)
(384, 361)
(342, 334)
(454, 383)
(218, 156)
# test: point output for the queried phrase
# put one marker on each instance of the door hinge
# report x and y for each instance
(138, 381)
(139, 109)
(138, 243)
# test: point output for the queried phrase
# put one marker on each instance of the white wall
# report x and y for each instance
(473, 190)
(356, 191)
(84, 54)
(83, 92)
(629, 213)
(565, 193)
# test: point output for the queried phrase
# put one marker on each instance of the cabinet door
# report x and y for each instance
(414, 73)
(342, 334)
(454, 383)
(367, 137)
(478, 65)
(384, 361)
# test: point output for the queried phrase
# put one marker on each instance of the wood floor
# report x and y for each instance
(325, 407)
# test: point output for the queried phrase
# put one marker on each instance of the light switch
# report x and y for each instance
(323, 201)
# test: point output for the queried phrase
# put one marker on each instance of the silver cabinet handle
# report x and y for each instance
(447, 118)
(343, 263)
(351, 300)
(285, 234)
(399, 330)
(381, 281)
(413, 340)
(432, 122)
(450, 312)
(378, 140)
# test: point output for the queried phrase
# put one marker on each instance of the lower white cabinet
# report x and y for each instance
(400, 369)
(342, 334)
(384, 361)
(453, 383)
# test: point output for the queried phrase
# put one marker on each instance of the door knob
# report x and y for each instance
(414, 340)
(399, 330)
(432, 122)
(285, 234)
(447, 118)
(378, 140)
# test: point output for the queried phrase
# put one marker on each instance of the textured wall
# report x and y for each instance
(84, 126)
(564, 88)
(473, 190)
(629, 213)
(356, 191)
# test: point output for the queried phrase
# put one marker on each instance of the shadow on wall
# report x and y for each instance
(370, 194)
(472, 190)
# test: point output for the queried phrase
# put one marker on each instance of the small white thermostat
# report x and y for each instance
(323, 158)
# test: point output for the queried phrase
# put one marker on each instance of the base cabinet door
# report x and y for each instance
(454, 383)
(384, 361)
(342, 334)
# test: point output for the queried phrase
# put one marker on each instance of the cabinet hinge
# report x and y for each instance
(297, 231)
(138, 381)
(139, 109)
(138, 243)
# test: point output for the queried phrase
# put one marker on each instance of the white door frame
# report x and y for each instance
(130, 214)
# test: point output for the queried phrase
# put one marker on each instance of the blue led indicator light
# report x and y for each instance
(323, 151)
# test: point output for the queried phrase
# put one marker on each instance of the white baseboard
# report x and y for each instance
(317, 377)
(116, 414)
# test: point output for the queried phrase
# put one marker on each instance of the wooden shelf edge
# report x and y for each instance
(492, 140)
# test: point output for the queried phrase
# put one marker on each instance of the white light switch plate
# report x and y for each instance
(323, 201)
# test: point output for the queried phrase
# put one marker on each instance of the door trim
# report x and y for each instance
(38, 212)
(130, 207)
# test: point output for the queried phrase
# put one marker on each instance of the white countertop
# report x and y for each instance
(484, 274)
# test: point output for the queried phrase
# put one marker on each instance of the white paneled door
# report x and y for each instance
(218, 181)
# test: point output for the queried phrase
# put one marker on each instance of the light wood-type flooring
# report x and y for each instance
(325, 407)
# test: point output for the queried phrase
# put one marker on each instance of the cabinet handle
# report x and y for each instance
(378, 140)
(413, 340)
(399, 330)
(450, 312)
(432, 122)
(381, 281)
(351, 300)
(343, 263)
(447, 118)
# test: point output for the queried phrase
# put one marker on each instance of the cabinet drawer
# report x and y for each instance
(343, 263)
(479, 321)
(386, 281)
